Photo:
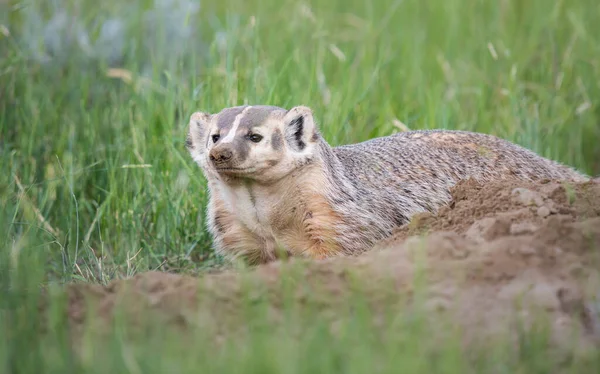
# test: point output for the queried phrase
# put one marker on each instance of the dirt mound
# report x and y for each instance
(494, 207)
(499, 253)
(502, 243)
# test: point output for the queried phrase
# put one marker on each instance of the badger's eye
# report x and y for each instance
(215, 138)
(255, 138)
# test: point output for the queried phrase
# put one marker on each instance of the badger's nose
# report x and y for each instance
(220, 155)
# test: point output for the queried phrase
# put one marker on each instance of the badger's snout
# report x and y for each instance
(221, 155)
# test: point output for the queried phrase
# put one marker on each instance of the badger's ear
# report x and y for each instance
(197, 132)
(300, 129)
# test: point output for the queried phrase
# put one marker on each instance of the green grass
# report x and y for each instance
(73, 208)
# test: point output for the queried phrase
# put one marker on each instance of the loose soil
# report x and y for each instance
(497, 254)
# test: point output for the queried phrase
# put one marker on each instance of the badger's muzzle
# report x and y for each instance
(221, 155)
(226, 159)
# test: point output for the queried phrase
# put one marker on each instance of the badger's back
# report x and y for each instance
(396, 176)
(428, 155)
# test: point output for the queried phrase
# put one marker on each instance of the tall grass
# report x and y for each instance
(96, 177)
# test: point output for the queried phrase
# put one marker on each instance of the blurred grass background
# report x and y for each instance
(94, 99)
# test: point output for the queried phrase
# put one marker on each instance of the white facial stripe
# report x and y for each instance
(234, 127)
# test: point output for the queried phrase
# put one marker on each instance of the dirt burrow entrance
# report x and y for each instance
(497, 252)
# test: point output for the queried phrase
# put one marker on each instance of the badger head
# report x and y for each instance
(262, 143)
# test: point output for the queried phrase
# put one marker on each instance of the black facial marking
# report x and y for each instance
(242, 148)
(188, 142)
(254, 116)
(276, 140)
(298, 123)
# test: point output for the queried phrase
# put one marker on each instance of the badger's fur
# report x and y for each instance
(275, 184)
